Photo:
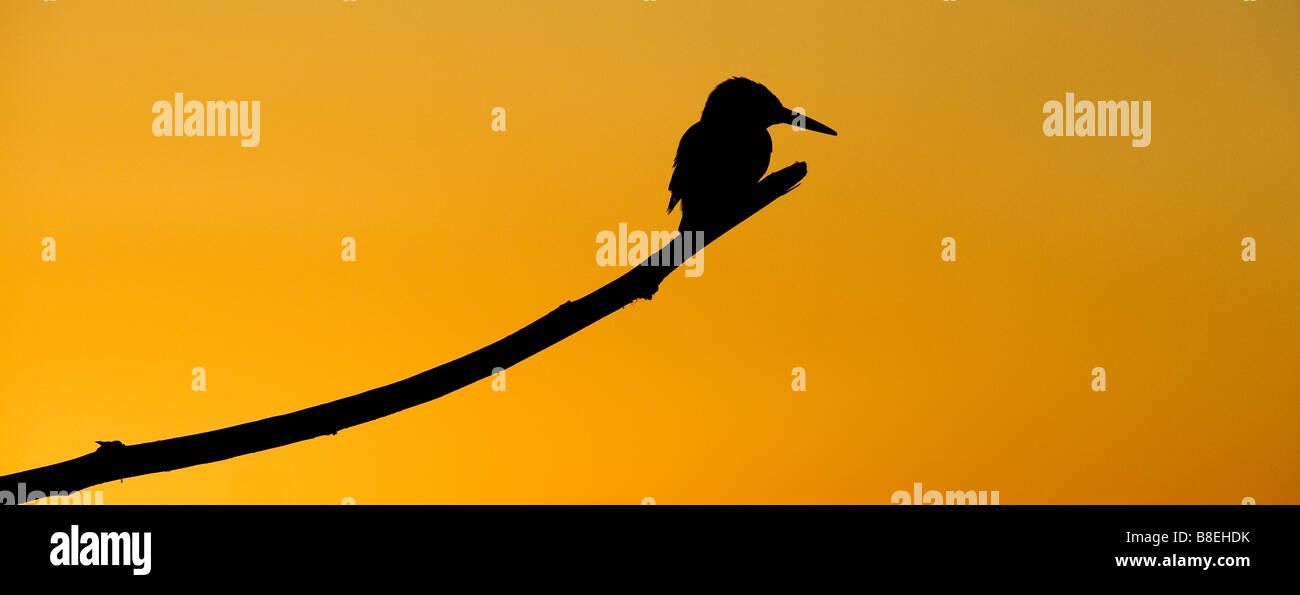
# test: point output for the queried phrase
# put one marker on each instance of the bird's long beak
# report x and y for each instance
(803, 121)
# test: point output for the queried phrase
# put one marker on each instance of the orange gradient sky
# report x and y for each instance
(375, 124)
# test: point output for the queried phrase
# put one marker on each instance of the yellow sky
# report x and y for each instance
(1073, 253)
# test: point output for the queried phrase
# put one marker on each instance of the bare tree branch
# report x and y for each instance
(114, 460)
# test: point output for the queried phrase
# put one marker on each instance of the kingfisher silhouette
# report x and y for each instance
(728, 150)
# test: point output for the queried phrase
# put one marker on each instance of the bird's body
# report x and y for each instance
(724, 154)
(715, 160)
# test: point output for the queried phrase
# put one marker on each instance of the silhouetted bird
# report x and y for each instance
(728, 150)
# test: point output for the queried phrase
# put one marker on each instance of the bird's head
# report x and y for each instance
(742, 102)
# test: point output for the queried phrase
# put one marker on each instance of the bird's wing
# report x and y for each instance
(686, 163)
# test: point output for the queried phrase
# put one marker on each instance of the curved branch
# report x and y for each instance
(114, 460)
